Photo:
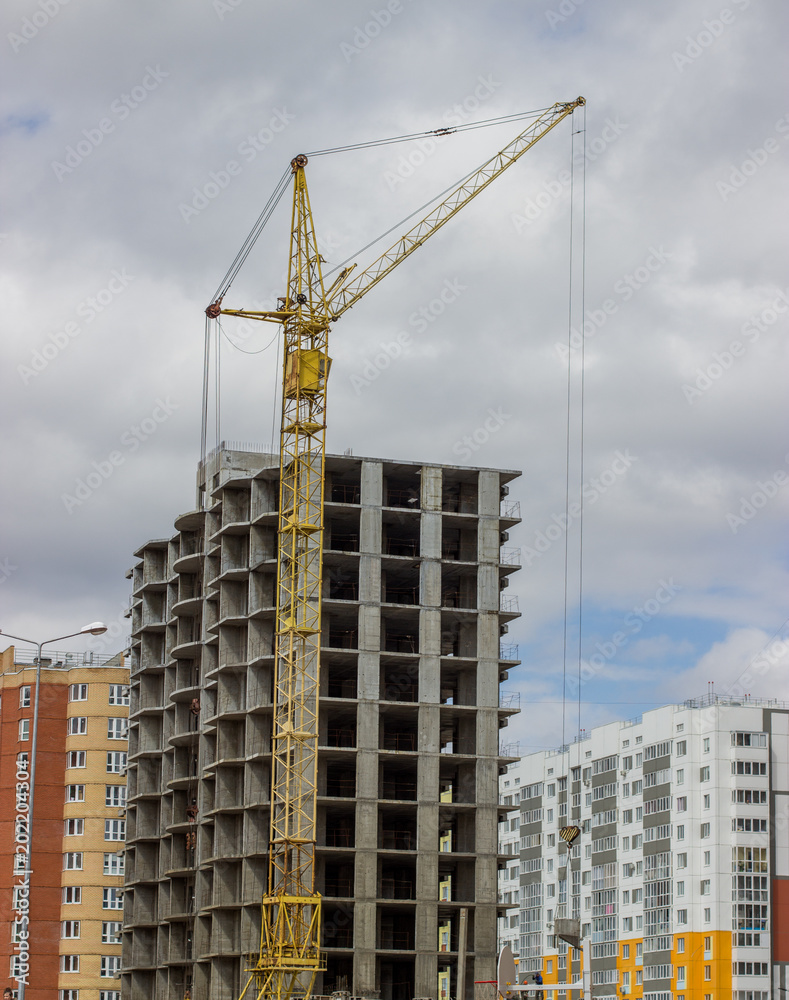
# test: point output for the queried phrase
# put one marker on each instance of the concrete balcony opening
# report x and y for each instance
(343, 487)
(339, 782)
(458, 587)
(397, 828)
(458, 542)
(341, 533)
(338, 880)
(338, 676)
(400, 585)
(403, 490)
(399, 680)
(341, 582)
(398, 781)
(459, 491)
(400, 536)
(396, 881)
(396, 978)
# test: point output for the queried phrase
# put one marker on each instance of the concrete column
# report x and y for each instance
(432, 476)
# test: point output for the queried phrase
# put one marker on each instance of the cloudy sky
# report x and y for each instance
(139, 144)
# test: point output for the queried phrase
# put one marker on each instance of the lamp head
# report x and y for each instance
(95, 628)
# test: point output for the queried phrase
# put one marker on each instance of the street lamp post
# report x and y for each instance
(95, 628)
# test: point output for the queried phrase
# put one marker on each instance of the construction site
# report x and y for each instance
(316, 706)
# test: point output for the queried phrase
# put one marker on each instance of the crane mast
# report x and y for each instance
(289, 957)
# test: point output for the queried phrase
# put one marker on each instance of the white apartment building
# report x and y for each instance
(680, 877)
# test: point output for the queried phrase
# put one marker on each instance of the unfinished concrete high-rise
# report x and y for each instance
(415, 562)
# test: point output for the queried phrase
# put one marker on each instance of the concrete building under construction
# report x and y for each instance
(415, 563)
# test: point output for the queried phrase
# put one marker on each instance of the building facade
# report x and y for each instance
(410, 714)
(70, 925)
(680, 878)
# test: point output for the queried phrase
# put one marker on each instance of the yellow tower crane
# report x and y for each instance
(289, 956)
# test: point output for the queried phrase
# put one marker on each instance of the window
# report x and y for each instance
(681, 832)
(625, 897)
(72, 861)
(76, 758)
(638, 895)
(749, 739)
(114, 829)
(75, 793)
(706, 802)
(68, 994)
(707, 973)
(625, 843)
(680, 945)
(704, 774)
(117, 728)
(705, 830)
(78, 692)
(110, 966)
(549, 815)
(627, 816)
(625, 951)
(681, 748)
(112, 899)
(69, 963)
(637, 841)
(639, 814)
(637, 786)
(111, 932)
(24, 696)
(680, 888)
(707, 861)
(681, 776)
(682, 860)
(681, 975)
(119, 694)
(69, 929)
(708, 947)
(639, 758)
(682, 916)
(706, 744)
(682, 803)
(77, 725)
(115, 796)
(109, 995)
(73, 827)
(113, 864)
(72, 894)
(707, 914)
(627, 923)
(116, 762)
(24, 729)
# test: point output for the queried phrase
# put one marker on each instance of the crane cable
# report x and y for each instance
(254, 233)
(447, 130)
(572, 282)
